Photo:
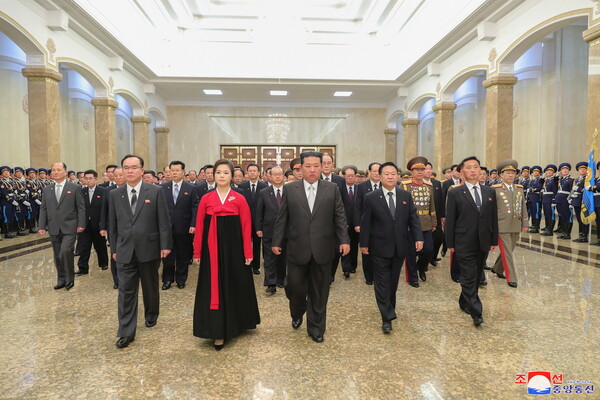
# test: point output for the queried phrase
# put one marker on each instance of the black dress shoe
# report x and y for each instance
(423, 276)
(487, 267)
(433, 263)
(318, 339)
(80, 272)
(150, 324)
(296, 323)
(104, 267)
(557, 230)
(69, 285)
(256, 271)
(547, 233)
(271, 289)
(181, 285)
(465, 310)
(219, 347)
(280, 285)
(456, 280)
(438, 259)
(597, 243)
(500, 275)
(386, 327)
(533, 230)
(166, 286)
(124, 341)
(346, 274)
(115, 286)
(512, 284)
(353, 271)
(483, 283)
(369, 282)
(414, 284)
(443, 253)
(477, 320)
(59, 286)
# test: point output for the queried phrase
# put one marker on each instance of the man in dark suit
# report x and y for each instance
(471, 231)
(267, 207)
(311, 218)
(182, 202)
(438, 200)
(350, 261)
(62, 215)
(208, 184)
(389, 224)
(361, 191)
(119, 178)
(328, 176)
(110, 174)
(95, 198)
(253, 186)
(140, 235)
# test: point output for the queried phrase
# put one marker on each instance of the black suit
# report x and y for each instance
(388, 238)
(471, 232)
(361, 191)
(265, 215)
(440, 211)
(94, 211)
(252, 199)
(340, 182)
(202, 188)
(183, 217)
(350, 260)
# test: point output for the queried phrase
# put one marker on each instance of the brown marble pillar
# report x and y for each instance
(592, 36)
(391, 135)
(106, 132)
(498, 118)
(411, 139)
(162, 147)
(44, 115)
(141, 140)
(444, 134)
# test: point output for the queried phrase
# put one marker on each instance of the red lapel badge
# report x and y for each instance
(147, 201)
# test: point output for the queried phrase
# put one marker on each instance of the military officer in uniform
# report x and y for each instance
(576, 198)
(33, 190)
(548, 195)
(565, 184)
(422, 194)
(7, 201)
(21, 196)
(534, 198)
(512, 220)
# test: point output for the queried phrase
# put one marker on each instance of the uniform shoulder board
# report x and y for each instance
(427, 183)
(519, 186)
(453, 186)
(498, 185)
(407, 182)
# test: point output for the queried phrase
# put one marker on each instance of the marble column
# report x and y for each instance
(141, 140)
(411, 139)
(498, 118)
(162, 147)
(444, 134)
(44, 115)
(592, 36)
(391, 135)
(106, 132)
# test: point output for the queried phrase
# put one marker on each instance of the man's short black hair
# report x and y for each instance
(175, 162)
(430, 164)
(238, 167)
(387, 164)
(374, 163)
(149, 171)
(133, 156)
(306, 154)
(347, 167)
(208, 166)
(485, 169)
(460, 166)
(252, 165)
(109, 166)
(453, 166)
(91, 171)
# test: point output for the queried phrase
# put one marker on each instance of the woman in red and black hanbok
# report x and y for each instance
(225, 301)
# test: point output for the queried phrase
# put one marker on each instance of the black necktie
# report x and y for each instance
(253, 188)
(391, 204)
(327, 179)
(477, 198)
(278, 197)
(133, 200)
(375, 187)
(351, 194)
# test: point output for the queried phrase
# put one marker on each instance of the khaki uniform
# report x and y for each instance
(512, 217)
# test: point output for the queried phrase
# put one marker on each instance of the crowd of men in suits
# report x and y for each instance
(393, 219)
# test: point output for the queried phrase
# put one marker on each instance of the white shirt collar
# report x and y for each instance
(306, 185)
(470, 186)
(136, 187)
(385, 192)
(375, 183)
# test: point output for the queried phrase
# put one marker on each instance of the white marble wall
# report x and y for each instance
(426, 144)
(469, 120)
(124, 131)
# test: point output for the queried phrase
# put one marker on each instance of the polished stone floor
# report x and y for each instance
(61, 345)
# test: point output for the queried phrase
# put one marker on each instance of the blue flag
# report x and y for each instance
(588, 215)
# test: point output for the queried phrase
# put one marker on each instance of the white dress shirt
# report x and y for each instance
(470, 187)
(137, 191)
(386, 196)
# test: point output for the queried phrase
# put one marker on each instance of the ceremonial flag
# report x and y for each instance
(587, 207)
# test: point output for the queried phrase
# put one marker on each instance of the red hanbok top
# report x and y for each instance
(234, 204)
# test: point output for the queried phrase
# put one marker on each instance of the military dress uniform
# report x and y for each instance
(565, 184)
(548, 205)
(533, 195)
(512, 218)
(525, 183)
(33, 189)
(595, 188)
(422, 196)
(8, 203)
(575, 200)
(23, 209)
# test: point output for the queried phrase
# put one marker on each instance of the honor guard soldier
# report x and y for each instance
(576, 198)
(548, 195)
(533, 195)
(525, 175)
(493, 179)
(512, 219)
(8, 202)
(23, 210)
(33, 189)
(422, 193)
(43, 177)
(565, 184)
(595, 187)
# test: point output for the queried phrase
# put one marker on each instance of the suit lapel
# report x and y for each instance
(62, 195)
(384, 202)
(170, 194)
(397, 203)
(320, 195)
(272, 196)
(140, 201)
(302, 196)
(466, 193)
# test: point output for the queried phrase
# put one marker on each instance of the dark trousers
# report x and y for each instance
(564, 212)
(176, 265)
(386, 272)
(350, 260)
(455, 268)
(85, 240)
(274, 264)
(113, 271)
(583, 228)
(471, 267)
(418, 261)
(64, 258)
(307, 290)
(549, 215)
(130, 276)
(336, 260)
(438, 241)
(367, 267)
(535, 213)
(255, 251)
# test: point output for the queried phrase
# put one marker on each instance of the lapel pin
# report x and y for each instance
(147, 201)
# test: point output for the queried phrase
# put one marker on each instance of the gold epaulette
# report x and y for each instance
(453, 186)
(497, 185)
(519, 186)
(407, 182)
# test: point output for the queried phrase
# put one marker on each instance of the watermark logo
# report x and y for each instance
(544, 382)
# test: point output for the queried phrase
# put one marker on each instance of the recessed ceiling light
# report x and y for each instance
(216, 92)
(278, 92)
(342, 94)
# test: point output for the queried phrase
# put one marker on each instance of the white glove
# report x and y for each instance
(14, 203)
(27, 203)
(39, 203)
(27, 191)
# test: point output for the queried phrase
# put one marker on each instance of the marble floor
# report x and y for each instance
(61, 344)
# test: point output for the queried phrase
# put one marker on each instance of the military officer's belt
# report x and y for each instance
(564, 192)
(547, 192)
(423, 212)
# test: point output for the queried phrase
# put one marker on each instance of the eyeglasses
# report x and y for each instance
(131, 168)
